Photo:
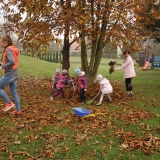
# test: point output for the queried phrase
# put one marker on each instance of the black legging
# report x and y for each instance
(82, 95)
(128, 84)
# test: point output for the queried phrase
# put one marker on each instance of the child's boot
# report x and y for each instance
(110, 99)
(99, 103)
(51, 98)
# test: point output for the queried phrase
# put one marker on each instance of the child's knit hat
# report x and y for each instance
(99, 77)
(77, 71)
(57, 70)
(64, 72)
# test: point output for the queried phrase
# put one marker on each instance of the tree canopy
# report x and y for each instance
(92, 23)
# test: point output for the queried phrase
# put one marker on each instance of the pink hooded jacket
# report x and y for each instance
(128, 66)
(59, 83)
(82, 80)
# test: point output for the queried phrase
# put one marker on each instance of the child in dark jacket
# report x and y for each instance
(82, 83)
(62, 82)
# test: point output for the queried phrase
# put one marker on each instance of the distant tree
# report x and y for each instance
(154, 27)
(3, 21)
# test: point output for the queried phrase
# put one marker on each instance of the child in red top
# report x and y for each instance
(82, 83)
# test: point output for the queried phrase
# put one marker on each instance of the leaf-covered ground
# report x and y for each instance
(50, 129)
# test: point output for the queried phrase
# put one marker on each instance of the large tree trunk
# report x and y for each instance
(91, 71)
(65, 52)
(97, 45)
(84, 61)
(66, 45)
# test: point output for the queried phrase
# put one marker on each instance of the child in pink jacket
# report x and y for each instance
(129, 71)
(105, 88)
(62, 82)
(82, 83)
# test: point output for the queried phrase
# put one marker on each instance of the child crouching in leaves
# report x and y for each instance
(105, 88)
(55, 79)
(62, 82)
(82, 83)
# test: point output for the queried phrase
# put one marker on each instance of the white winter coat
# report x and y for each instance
(105, 86)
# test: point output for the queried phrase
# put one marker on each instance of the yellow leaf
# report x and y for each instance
(152, 11)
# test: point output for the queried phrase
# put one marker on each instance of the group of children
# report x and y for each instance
(61, 79)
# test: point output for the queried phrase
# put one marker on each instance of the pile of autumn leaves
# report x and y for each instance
(39, 111)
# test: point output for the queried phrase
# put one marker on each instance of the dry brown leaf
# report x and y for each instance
(17, 142)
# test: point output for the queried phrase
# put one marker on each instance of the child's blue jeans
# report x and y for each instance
(11, 81)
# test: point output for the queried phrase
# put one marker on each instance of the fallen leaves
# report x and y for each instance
(3, 143)
(133, 115)
(112, 65)
(147, 143)
(80, 138)
(158, 129)
(17, 141)
(39, 112)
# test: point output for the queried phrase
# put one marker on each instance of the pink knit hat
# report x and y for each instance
(64, 72)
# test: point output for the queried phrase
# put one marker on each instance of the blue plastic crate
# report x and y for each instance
(81, 111)
(155, 64)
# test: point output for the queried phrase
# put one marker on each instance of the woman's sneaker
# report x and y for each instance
(8, 106)
(15, 112)
(129, 95)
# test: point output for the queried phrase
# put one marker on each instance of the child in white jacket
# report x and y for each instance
(105, 88)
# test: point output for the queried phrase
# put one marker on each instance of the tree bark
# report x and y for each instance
(65, 52)
(96, 48)
(66, 45)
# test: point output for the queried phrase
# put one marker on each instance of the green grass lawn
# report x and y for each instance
(29, 66)
(128, 129)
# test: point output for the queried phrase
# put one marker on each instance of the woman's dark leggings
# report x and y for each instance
(128, 84)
